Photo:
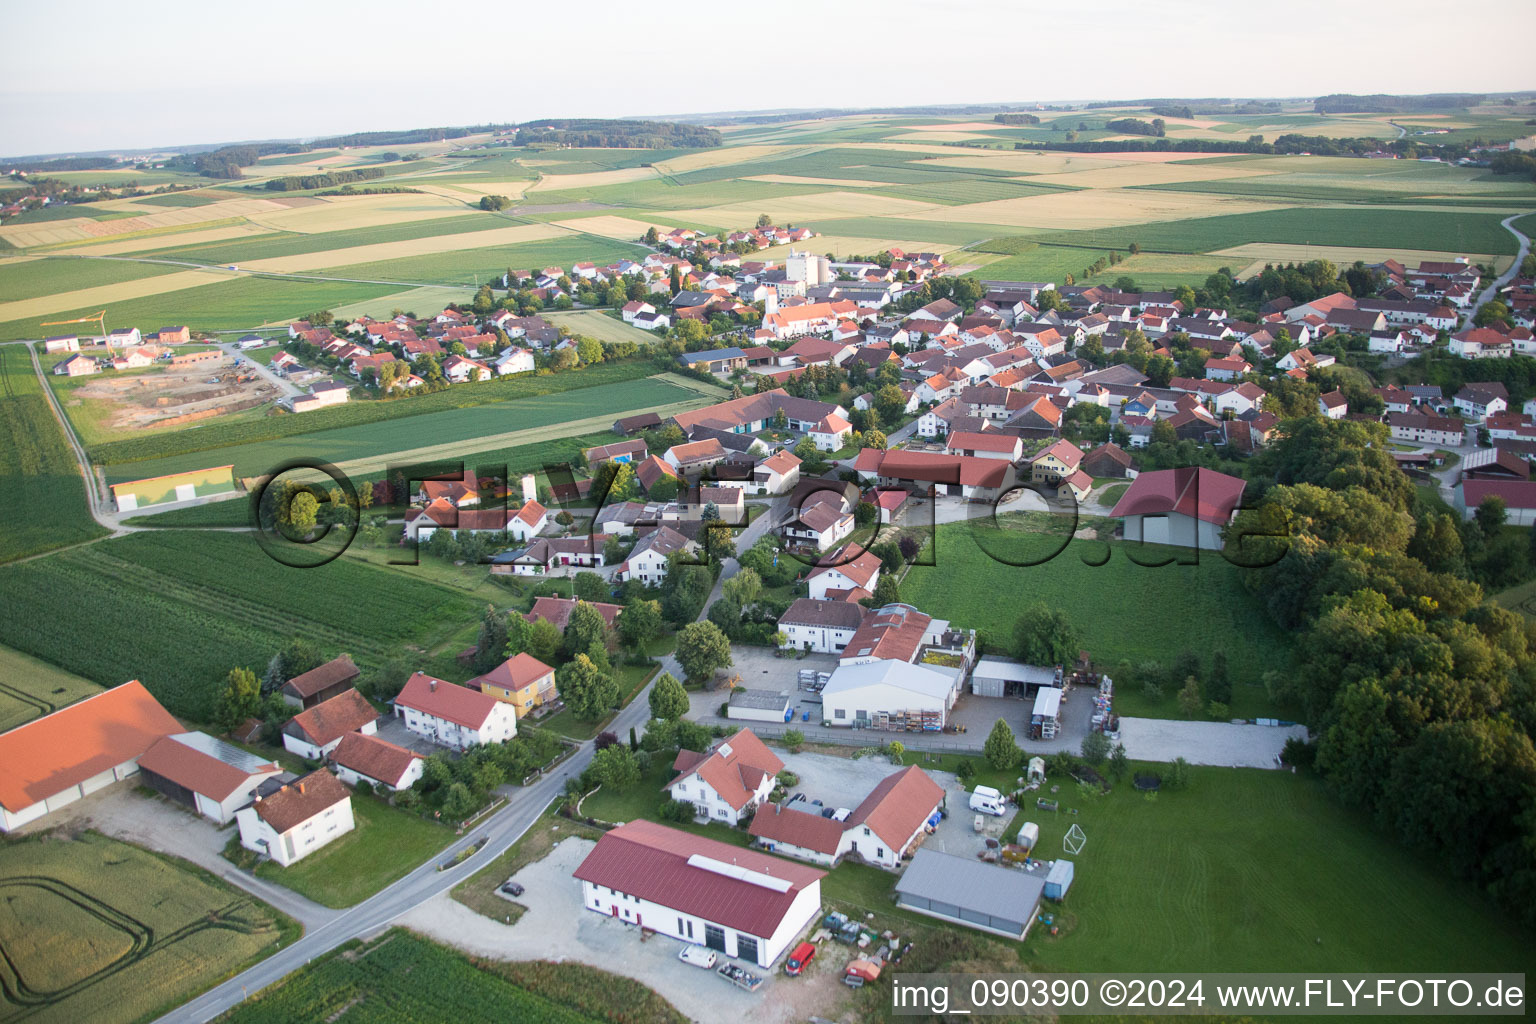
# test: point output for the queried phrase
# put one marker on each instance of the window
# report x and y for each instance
(840, 713)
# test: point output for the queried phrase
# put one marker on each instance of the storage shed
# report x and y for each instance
(1003, 901)
(1058, 880)
(759, 705)
(1047, 710)
(998, 677)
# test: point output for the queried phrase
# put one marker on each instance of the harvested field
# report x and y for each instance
(1092, 209)
(722, 157)
(592, 179)
(151, 242)
(342, 214)
(95, 929)
(81, 229)
(852, 245)
(792, 179)
(814, 206)
(940, 137)
(1128, 175)
(413, 300)
(1341, 255)
(106, 294)
(431, 244)
(625, 229)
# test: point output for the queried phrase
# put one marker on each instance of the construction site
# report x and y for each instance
(168, 395)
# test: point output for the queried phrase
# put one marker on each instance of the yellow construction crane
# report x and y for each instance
(99, 319)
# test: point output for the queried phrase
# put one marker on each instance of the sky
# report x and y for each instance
(155, 74)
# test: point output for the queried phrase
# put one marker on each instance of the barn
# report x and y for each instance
(964, 891)
(891, 694)
(1188, 507)
(205, 774)
(999, 677)
(158, 490)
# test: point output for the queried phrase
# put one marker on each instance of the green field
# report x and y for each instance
(98, 930)
(385, 845)
(236, 304)
(596, 323)
(295, 244)
(220, 435)
(401, 978)
(42, 495)
(35, 278)
(30, 688)
(181, 199)
(1252, 870)
(1123, 611)
(410, 432)
(492, 261)
(178, 610)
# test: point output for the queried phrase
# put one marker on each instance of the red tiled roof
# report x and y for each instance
(296, 803)
(514, 673)
(52, 753)
(335, 671)
(735, 767)
(797, 828)
(441, 699)
(378, 759)
(898, 806)
(1516, 494)
(664, 865)
(1199, 493)
(198, 771)
(852, 561)
(332, 719)
(557, 611)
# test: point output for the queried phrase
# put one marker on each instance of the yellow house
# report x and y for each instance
(1059, 466)
(525, 682)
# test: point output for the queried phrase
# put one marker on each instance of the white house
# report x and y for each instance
(848, 568)
(830, 432)
(647, 561)
(1188, 507)
(454, 716)
(298, 819)
(730, 781)
(380, 763)
(211, 777)
(314, 732)
(886, 825)
(821, 626)
(741, 903)
(778, 472)
(1333, 405)
(514, 360)
(458, 369)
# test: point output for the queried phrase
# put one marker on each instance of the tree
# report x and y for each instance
(1189, 698)
(743, 588)
(459, 802)
(793, 739)
(764, 221)
(1119, 764)
(875, 439)
(668, 699)
(616, 768)
(544, 641)
(589, 350)
(896, 750)
(491, 645)
(726, 614)
(1001, 750)
(585, 629)
(586, 689)
(887, 591)
(1095, 747)
(1045, 636)
(303, 511)
(639, 624)
(702, 649)
(296, 657)
(240, 700)
(1176, 775)
(1490, 515)
(1218, 684)
(589, 586)
(965, 771)
(890, 404)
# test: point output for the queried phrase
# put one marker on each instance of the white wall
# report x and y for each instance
(689, 928)
(301, 840)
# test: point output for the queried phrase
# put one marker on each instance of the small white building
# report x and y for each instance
(740, 903)
(454, 716)
(298, 819)
(1186, 507)
(514, 360)
(647, 561)
(850, 567)
(380, 763)
(748, 705)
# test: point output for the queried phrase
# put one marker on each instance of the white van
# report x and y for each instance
(987, 800)
(698, 956)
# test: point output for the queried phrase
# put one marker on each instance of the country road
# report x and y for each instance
(1509, 275)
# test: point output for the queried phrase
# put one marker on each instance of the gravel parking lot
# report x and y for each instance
(557, 927)
(1217, 743)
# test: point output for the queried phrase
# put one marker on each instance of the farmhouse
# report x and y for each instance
(739, 902)
(888, 825)
(1518, 496)
(821, 626)
(934, 473)
(824, 520)
(547, 554)
(315, 731)
(1060, 467)
(298, 819)
(730, 781)
(211, 777)
(320, 684)
(557, 611)
(454, 716)
(57, 759)
(964, 891)
(1188, 507)
(647, 561)
(322, 395)
(523, 681)
(76, 366)
(848, 570)
(751, 413)
(521, 524)
(1425, 428)
(380, 763)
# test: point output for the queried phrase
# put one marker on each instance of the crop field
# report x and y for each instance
(96, 298)
(1183, 882)
(447, 428)
(30, 688)
(42, 494)
(211, 601)
(565, 248)
(292, 243)
(598, 324)
(1121, 608)
(402, 978)
(34, 278)
(95, 929)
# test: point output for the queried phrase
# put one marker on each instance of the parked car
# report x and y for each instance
(827, 812)
(698, 956)
(799, 957)
(511, 888)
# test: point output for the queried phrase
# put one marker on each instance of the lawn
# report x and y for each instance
(216, 435)
(1122, 610)
(386, 844)
(35, 278)
(42, 494)
(95, 929)
(30, 688)
(596, 323)
(475, 424)
(179, 609)
(402, 978)
(1252, 870)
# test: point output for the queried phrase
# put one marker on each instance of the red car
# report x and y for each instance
(799, 957)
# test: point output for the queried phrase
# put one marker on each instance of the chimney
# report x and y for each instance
(432, 685)
(301, 789)
(530, 491)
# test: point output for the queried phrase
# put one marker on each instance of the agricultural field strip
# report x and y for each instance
(106, 294)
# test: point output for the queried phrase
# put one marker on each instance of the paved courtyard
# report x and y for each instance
(393, 729)
(557, 927)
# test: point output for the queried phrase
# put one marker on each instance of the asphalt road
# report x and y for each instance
(1508, 275)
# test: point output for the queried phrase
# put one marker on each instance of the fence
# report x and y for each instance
(863, 737)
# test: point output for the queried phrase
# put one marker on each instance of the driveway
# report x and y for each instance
(1216, 743)
(557, 927)
(122, 812)
(393, 729)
